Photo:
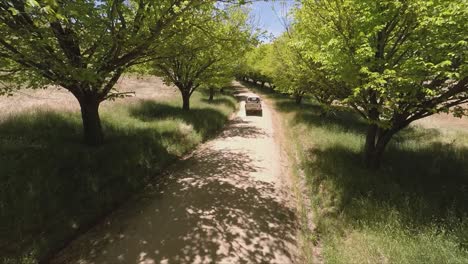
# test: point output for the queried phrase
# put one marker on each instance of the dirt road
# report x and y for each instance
(226, 203)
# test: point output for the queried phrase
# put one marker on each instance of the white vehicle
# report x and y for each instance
(253, 104)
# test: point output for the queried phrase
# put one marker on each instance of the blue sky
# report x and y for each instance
(268, 15)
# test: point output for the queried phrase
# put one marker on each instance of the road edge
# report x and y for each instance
(308, 240)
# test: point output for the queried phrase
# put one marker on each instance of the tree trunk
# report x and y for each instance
(376, 141)
(212, 91)
(186, 101)
(370, 158)
(298, 99)
(263, 84)
(92, 129)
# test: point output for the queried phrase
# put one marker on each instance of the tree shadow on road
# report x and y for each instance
(202, 216)
(243, 128)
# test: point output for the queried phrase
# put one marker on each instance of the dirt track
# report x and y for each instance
(226, 203)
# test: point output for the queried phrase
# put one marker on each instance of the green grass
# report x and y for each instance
(53, 187)
(414, 210)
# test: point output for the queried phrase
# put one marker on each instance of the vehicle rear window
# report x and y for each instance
(253, 99)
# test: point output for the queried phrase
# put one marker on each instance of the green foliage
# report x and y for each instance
(52, 42)
(289, 74)
(205, 52)
(294, 74)
(283, 65)
(398, 61)
(257, 64)
(54, 187)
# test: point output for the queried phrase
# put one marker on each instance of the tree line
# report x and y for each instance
(392, 62)
(85, 46)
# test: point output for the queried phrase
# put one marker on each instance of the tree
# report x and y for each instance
(258, 64)
(218, 82)
(205, 51)
(288, 72)
(399, 61)
(83, 46)
(291, 72)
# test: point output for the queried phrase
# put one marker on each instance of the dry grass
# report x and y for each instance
(444, 122)
(56, 98)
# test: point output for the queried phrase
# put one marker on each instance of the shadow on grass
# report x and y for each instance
(433, 176)
(220, 98)
(424, 185)
(220, 101)
(53, 186)
(346, 120)
(206, 121)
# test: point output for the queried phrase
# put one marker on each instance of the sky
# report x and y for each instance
(269, 15)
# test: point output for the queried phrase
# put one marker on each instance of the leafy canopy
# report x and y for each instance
(396, 61)
(404, 59)
(83, 45)
(206, 51)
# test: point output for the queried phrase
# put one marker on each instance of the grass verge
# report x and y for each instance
(53, 186)
(414, 210)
